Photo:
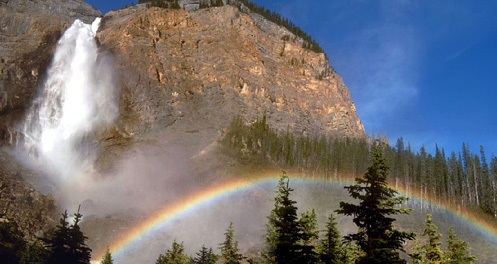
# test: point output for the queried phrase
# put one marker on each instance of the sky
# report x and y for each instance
(424, 70)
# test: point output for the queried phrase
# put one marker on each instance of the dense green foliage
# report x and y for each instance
(458, 250)
(431, 251)
(35, 253)
(310, 235)
(331, 157)
(229, 248)
(176, 255)
(205, 256)
(330, 249)
(12, 243)
(285, 231)
(213, 3)
(67, 242)
(464, 179)
(376, 236)
(173, 4)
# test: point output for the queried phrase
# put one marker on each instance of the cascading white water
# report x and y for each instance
(78, 96)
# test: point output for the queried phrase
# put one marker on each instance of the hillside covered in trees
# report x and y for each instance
(465, 178)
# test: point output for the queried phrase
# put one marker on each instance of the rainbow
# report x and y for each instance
(208, 196)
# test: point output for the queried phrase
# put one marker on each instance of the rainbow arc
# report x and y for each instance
(225, 190)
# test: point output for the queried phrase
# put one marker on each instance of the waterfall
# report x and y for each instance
(77, 97)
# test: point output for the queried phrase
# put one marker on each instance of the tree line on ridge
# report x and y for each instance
(463, 179)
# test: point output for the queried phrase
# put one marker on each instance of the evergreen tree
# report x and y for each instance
(67, 243)
(229, 248)
(330, 249)
(465, 179)
(493, 173)
(107, 258)
(441, 172)
(59, 241)
(310, 235)
(376, 236)
(205, 256)
(431, 250)
(351, 253)
(487, 201)
(417, 254)
(12, 243)
(457, 250)
(271, 238)
(175, 5)
(35, 253)
(80, 251)
(175, 256)
(284, 230)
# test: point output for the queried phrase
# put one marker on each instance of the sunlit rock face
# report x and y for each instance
(194, 70)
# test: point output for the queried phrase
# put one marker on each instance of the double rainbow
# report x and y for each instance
(205, 197)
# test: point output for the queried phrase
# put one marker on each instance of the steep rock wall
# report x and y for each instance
(191, 70)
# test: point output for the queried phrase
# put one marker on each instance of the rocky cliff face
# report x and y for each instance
(197, 69)
(183, 75)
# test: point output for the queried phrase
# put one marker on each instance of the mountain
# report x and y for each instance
(195, 69)
(191, 72)
(183, 75)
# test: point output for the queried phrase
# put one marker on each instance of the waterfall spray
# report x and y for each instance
(77, 96)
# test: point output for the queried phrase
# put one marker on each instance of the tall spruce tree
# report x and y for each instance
(457, 250)
(229, 248)
(432, 253)
(310, 235)
(330, 248)
(80, 250)
(205, 256)
(67, 243)
(284, 230)
(376, 236)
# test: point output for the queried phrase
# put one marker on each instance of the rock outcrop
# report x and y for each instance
(35, 213)
(192, 70)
